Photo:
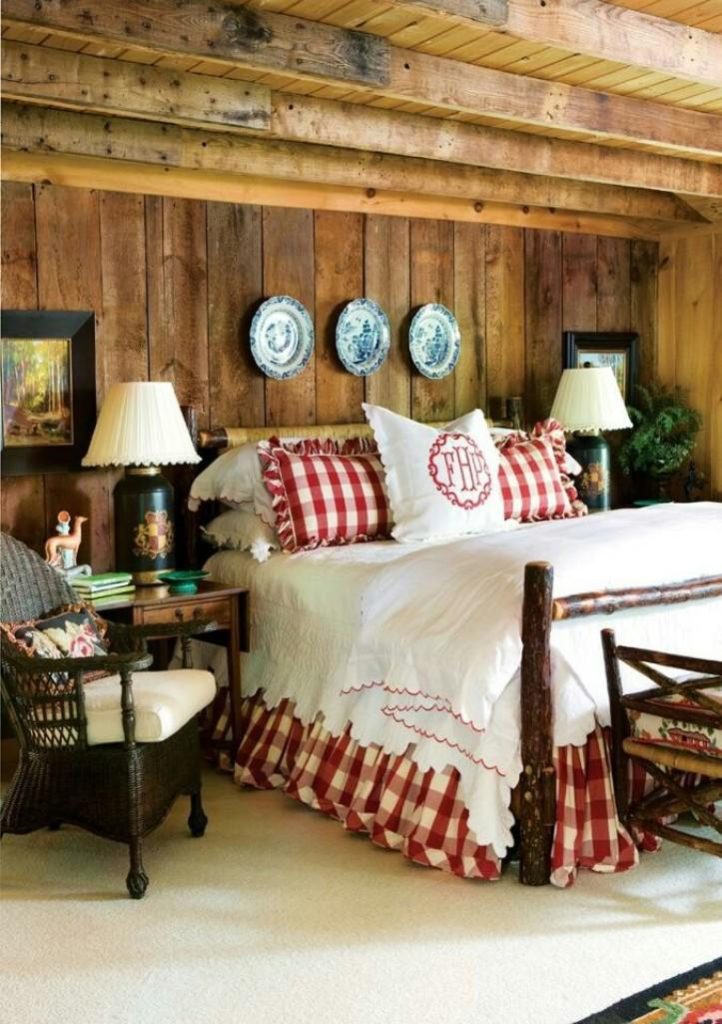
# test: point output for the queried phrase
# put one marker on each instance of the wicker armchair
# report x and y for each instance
(120, 790)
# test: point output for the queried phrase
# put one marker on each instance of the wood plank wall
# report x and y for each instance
(690, 338)
(174, 284)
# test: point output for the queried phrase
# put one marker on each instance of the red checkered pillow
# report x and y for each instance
(553, 433)
(334, 496)
(531, 484)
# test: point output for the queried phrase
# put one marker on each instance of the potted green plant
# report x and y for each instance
(663, 438)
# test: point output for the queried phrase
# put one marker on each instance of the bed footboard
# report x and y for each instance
(537, 787)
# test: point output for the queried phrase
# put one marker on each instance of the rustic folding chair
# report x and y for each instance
(674, 731)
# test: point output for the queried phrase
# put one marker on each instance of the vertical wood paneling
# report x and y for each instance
(504, 312)
(125, 319)
(643, 311)
(23, 497)
(178, 299)
(23, 509)
(695, 333)
(714, 412)
(542, 253)
(667, 311)
(470, 304)
(235, 288)
(288, 270)
(174, 284)
(432, 280)
(387, 281)
(19, 279)
(579, 282)
(69, 277)
(338, 262)
(613, 292)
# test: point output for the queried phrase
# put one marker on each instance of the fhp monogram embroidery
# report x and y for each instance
(459, 470)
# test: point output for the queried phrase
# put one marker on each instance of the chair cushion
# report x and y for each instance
(73, 631)
(672, 721)
(164, 702)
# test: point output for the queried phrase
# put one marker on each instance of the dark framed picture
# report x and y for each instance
(48, 390)
(604, 348)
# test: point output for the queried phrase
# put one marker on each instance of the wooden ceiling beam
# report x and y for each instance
(79, 81)
(60, 78)
(150, 179)
(353, 126)
(40, 129)
(263, 41)
(594, 28)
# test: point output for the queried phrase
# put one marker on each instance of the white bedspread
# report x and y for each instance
(421, 644)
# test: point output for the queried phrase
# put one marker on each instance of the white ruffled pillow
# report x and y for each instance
(235, 479)
(441, 483)
(241, 530)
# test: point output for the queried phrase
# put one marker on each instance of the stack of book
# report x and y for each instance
(105, 587)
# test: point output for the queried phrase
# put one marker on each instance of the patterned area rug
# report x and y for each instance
(691, 998)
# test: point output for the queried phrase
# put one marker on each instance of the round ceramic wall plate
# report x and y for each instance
(434, 341)
(363, 337)
(281, 337)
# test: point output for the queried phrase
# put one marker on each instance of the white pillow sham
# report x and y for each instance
(235, 479)
(242, 530)
(441, 483)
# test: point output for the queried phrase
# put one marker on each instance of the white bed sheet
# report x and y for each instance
(337, 620)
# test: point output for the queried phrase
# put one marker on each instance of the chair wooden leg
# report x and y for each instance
(197, 819)
(137, 880)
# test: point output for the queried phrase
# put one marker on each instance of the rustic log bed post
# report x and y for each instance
(538, 781)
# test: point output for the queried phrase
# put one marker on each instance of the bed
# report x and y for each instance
(459, 670)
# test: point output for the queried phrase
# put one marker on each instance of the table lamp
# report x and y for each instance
(588, 400)
(142, 428)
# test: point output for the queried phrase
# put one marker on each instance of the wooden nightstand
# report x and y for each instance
(226, 607)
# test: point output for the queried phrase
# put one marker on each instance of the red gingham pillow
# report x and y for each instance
(531, 484)
(325, 497)
(553, 432)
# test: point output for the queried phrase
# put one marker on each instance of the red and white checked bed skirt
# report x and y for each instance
(419, 812)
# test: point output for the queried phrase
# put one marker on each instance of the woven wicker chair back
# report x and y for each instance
(47, 709)
(29, 588)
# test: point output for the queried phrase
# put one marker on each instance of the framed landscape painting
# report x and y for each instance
(48, 390)
(617, 349)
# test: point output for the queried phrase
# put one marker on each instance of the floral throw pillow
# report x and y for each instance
(73, 631)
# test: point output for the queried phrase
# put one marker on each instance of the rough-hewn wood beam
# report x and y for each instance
(45, 130)
(710, 209)
(150, 179)
(276, 42)
(59, 78)
(473, 12)
(351, 125)
(594, 28)
(78, 81)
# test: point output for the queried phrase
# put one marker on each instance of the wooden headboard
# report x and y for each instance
(233, 437)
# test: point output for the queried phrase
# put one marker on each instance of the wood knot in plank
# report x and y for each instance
(246, 30)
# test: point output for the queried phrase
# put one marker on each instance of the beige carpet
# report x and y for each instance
(279, 915)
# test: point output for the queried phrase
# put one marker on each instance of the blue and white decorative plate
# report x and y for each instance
(434, 341)
(282, 337)
(363, 337)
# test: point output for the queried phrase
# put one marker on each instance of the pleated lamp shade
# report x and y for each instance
(141, 424)
(589, 399)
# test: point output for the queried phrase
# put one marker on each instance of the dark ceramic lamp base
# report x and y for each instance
(144, 532)
(594, 482)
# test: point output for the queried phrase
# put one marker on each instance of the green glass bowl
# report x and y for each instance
(183, 581)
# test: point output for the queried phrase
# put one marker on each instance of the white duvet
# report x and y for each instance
(421, 644)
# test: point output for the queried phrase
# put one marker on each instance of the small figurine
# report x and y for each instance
(61, 551)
